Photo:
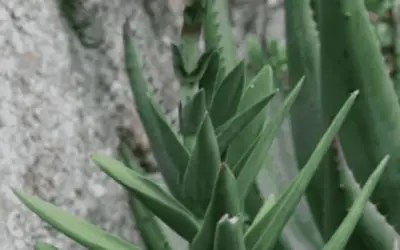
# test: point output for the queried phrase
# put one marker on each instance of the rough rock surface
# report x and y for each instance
(60, 102)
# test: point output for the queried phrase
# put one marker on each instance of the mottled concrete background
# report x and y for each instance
(60, 102)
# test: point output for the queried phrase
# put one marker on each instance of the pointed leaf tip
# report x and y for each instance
(75, 228)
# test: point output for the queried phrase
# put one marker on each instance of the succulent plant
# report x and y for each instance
(345, 121)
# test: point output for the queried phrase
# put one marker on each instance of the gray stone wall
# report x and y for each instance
(61, 101)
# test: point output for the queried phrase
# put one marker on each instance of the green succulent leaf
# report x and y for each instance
(228, 132)
(378, 232)
(179, 65)
(307, 124)
(250, 153)
(209, 81)
(252, 165)
(341, 236)
(373, 127)
(191, 116)
(218, 33)
(264, 235)
(77, 229)
(148, 118)
(224, 200)
(261, 84)
(164, 206)
(268, 204)
(229, 234)
(228, 95)
(44, 246)
(202, 169)
(150, 230)
(174, 148)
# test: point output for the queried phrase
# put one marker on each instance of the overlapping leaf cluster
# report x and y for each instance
(211, 162)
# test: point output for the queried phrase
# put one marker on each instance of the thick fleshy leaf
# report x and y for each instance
(209, 81)
(257, 88)
(202, 169)
(268, 204)
(228, 95)
(149, 228)
(355, 61)
(148, 118)
(44, 246)
(228, 132)
(265, 233)
(179, 65)
(379, 234)
(163, 205)
(75, 228)
(175, 149)
(306, 117)
(252, 166)
(341, 236)
(191, 116)
(229, 234)
(224, 200)
(249, 152)
(218, 33)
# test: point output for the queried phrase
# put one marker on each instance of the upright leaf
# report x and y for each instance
(355, 62)
(342, 234)
(252, 165)
(218, 33)
(229, 234)
(149, 228)
(202, 169)
(209, 81)
(191, 116)
(228, 95)
(174, 148)
(258, 87)
(147, 116)
(377, 232)
(265, 233)
(224, 200)
(228, 131)
(306, 114)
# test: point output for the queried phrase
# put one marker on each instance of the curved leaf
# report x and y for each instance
(77, 229)
(202, 169)
(379, 233)
(341, 236)
(147, 116)
(228, 95)
(260, 85)
(265, 233)
(355, 62)
(218, 33)
(228, 131)
(224, 200)
(254, 162)
(164, 206)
